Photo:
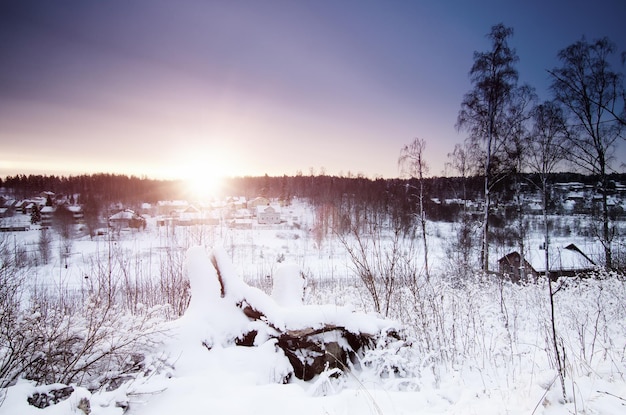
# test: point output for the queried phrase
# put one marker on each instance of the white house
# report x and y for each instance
(268, 215)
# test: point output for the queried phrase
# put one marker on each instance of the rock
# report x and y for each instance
(312, 351)
(51, 397)
(85, 406)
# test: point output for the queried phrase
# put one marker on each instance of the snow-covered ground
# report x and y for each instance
(469, 347)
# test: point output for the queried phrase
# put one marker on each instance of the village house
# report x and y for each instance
(77, 213)
(257, 201)
(126, 219)
(191, 215)
(47, 213)
(236, 203)
(171, 207)
(268, 215)
(564, 261)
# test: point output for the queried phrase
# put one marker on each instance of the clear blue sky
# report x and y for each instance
(177, 88)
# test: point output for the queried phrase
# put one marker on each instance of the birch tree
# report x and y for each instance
(547, 151)
(591, 93)
(413, 165)
(484, 112)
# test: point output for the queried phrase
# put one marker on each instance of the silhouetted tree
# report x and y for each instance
(486, 114)
(517, 153)
(91, 213)
(63, 220)
(547, 151)
(35, 215)
(591, 92)
(63, 223)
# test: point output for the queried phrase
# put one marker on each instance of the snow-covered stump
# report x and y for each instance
(313, 338)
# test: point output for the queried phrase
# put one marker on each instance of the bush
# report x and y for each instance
(61, 338)
(90, 347)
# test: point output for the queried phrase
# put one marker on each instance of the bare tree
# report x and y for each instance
(378, 257)
(484, 112)
(45, 245)
(64, 224)
(591, 92)
(462, 162)
(91, 213)
(413, 165)
(14, 351)
(517, 153)
(547, 151)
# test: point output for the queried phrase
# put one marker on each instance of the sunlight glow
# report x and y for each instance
(204, 169)
(203, 181)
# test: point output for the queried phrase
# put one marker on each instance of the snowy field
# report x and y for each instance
(478, 346)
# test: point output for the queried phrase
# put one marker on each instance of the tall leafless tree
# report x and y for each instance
(591, 93)
(516, 133)
(462, 161)
(485, 112)
(413, 165)
(546, 152)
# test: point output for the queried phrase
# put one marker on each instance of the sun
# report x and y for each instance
(204, 187)
(204, 168)
(203, 181)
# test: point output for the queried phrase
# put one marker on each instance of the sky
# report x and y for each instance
(191, 88)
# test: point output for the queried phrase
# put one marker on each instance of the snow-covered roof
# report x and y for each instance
(268, 209)
(563, 258)
(179, 203)
(125, 215)
(191, 209)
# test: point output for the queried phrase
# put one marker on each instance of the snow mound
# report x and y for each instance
(288, 285)
(301, 341)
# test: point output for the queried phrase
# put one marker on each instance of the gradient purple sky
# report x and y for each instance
(170, 89)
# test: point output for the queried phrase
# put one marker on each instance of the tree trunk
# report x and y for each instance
(606, 230)
(423, 224)
(484, 253)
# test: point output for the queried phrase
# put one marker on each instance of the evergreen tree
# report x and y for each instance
(35, 215)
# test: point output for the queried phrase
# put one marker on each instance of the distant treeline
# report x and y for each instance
(320, 189)
(107, 187)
